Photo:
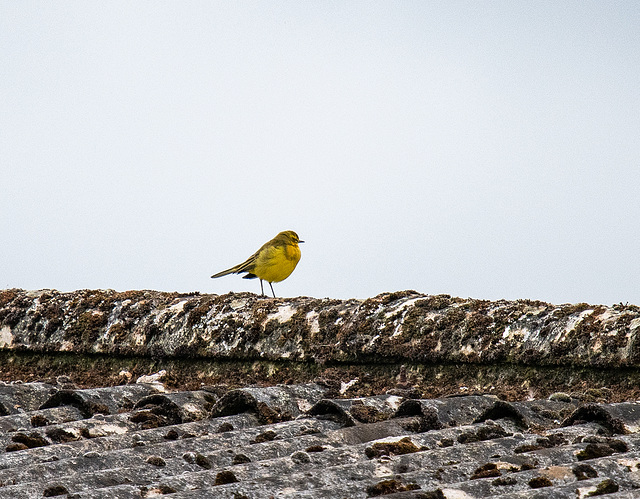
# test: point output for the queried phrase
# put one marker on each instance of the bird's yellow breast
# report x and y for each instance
(274, 264)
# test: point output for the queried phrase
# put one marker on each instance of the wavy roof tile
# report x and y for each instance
(290, 441)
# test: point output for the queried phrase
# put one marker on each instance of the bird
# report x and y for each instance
(273, 262)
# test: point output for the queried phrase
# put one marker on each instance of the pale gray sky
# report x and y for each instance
(484, 149)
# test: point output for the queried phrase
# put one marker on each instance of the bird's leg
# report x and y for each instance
(261, 288)
(274, 294)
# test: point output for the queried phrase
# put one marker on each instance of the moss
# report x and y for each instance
(507, 381)
(601, 449)
(225, 477)
(504, 480)
(203, 461)
(598, 414)
(156, 461)
(157, 489)
(260, 310)
(387, 298)
(266, 436)
(224, 427)
(90, 299)
(553, 440)
(151, 331)
(142, 308)
(404, 446)
(486, 471)
(367, 413)
(240, 459)
(450, 321)
(195, 348)
(172, 434)
(31, 441)
(15, 447)
(198, 311)
(298, 325)
(588, 326)
(540, 482)
(328, 327)
(501, 409)
(147, 419)
(59, 435)
(276, 329)
(38, 420)
(7, 296)
(432, 494)
(390, 487)
(611, 343)
(592, 451)
(10, 317)
(54, 316)
(314, 448)
(487, 432)
(86, 329)
(606, 486)
(436, 302)
(300, 457)
(118, 332)
(526, 448)
(564, 311)
(479, 324)
(54, 490)
(227, 329)
(584, 471)
(269, 415)
(133, 295)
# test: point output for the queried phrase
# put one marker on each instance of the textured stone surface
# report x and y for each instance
(205, 445)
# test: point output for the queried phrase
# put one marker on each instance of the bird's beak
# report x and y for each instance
(300, 241)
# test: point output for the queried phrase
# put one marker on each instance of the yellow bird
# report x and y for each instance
(273, 262)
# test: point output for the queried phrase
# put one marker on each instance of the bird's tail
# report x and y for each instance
(238, 269)
(224, 272)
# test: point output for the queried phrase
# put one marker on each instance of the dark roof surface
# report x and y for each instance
(400, 395)
(291, 441)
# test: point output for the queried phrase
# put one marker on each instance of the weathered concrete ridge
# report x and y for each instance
(402, 327)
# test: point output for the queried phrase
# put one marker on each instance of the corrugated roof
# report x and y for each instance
(290, 441)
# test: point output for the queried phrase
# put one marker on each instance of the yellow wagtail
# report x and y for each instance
(273, 262)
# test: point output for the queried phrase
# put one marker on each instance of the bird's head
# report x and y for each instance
(290, 237)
